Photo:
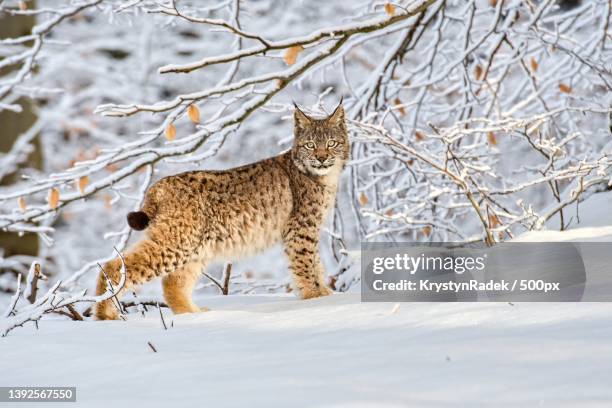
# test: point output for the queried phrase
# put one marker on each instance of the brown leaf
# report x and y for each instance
(53, 198)
(410, 162)
(494, 221)
(419, 136)
(292, 53)
(22, 204)
(82, 183)
(108, 201)
(478, 72)
(171, 131)
(23, 6)
(493, 3)
(400, 108)
(491, 138)
(426, 230)
(389, 212)
(389, 9)
(534, 65)
(565, 88)
(194, 113)
(363, 199)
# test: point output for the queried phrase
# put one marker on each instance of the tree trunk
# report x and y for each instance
(12, 125)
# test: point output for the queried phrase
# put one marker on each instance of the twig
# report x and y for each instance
(226, 279)
(161, 315)
(11, 308)
(74, 314)
(32, 282)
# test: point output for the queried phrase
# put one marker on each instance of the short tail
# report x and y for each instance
(138, 220)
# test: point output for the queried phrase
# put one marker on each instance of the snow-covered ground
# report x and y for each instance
(278, 351)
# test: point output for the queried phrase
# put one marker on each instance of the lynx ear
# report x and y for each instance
(337, 117)
(300, 118)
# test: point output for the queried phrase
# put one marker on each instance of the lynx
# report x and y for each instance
(199, 216)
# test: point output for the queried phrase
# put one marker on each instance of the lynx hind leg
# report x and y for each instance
(111, 273)
(305, 263)
(178, 287)
(108, 309)
(146, 261)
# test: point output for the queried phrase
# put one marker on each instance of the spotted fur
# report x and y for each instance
(199, 216)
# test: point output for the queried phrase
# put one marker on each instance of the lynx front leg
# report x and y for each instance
(308, 274)
(178, 286)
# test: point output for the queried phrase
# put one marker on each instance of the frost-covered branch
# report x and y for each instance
(27, 59)
(52, 301)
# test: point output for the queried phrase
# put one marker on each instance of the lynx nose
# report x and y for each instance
(321, 157)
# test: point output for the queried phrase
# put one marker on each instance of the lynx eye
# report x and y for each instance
(332, 143)
(309, 145)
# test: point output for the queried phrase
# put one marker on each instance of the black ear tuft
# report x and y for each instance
(337, 116)
(301, 119)
(138, 220)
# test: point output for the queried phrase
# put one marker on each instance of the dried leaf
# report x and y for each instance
(363, 199)
(22, 204)
(53, 198)
(410, 162)
(108, 201)
(292, 53)
(426, 230)
(194, 113)
(494, 221)
(23, 6)
(390, 9)
(389, 212)
(83, 182)
(534, 65)
(171, 131)
(565, 88)
(478, 72)
(419, 136)
(493, 3)
(491, 138)
(400, 108)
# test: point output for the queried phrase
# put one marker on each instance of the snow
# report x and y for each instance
(275, 351)
(278, 351)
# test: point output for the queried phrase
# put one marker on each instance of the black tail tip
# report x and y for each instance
(138, 220)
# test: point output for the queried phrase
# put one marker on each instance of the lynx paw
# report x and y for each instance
(105, 310)
(325, 291)
(315, 292)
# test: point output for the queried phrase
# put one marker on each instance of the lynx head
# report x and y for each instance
(320, 144)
